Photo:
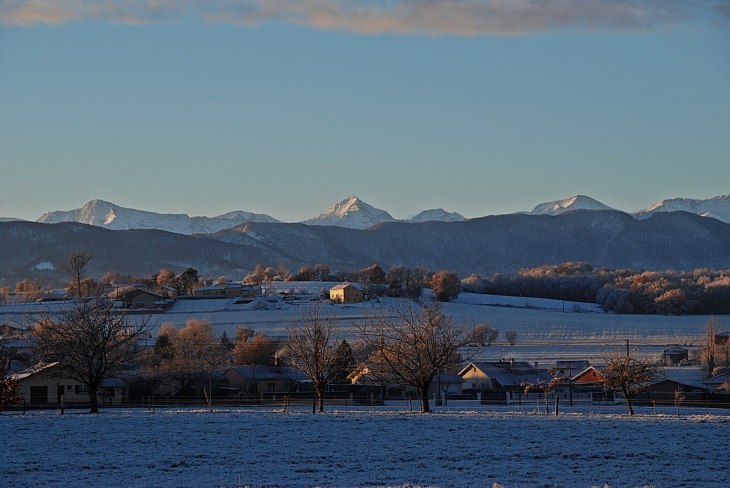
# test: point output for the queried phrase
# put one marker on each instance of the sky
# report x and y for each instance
(286, 107)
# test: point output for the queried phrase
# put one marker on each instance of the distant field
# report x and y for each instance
(545, 331)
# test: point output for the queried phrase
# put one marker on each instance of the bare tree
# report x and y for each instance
(630, 375)
(75, 266)
(91, 341)
(511, 336)
(482, 335)
(709, 348)
(410, 344)
(313, 340)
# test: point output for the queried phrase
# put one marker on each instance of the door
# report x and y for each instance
(59, 393)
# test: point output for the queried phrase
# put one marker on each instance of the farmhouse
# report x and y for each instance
(346, 293)
(507, 375)
(138, 298)
(257, 379)
(45, 384)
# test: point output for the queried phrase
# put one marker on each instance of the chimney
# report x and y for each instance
(512, 360)
(276, 360)
(535, 364)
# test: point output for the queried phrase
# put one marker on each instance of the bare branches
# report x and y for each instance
(412, 343)
(91, 341)
(75, 266)
(313, 339)
(630, 375)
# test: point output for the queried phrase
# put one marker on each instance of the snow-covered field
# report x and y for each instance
(251, 447)
(547, 329)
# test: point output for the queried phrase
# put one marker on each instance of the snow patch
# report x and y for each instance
(44, 265)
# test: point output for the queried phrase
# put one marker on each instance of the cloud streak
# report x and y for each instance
(370, 17)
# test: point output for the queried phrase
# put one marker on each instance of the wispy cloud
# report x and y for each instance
(424, 17)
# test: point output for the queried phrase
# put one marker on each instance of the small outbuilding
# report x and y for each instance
(227, 289)
(675, 355)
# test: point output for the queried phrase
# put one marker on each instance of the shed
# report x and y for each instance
(675, 355)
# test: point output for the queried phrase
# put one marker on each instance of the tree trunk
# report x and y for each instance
(628, 403)
(320, 399)
(92, 400)
(423, 392)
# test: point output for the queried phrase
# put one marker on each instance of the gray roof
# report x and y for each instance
(343, 286)
(260, 373)
(685, 375)
(512, 374)
(572, 365)
(717, 380)
(676, 350)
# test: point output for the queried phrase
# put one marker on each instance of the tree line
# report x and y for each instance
(698, 292)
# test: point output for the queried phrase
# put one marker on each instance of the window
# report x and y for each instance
(81, 389)
(68, 387)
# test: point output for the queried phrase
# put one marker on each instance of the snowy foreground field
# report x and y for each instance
(253, 447)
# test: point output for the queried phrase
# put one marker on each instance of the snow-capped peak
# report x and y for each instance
(352, 213)
(114, 217)
(437, 214)
(577, 202)
(717, 207)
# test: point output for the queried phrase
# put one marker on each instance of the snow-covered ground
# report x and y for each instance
(254, 447)
(546, 329)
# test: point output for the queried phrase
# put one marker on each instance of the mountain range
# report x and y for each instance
(351, 213)
(501, 243)
(679, 234)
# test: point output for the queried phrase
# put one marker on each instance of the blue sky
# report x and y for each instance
(287, 107)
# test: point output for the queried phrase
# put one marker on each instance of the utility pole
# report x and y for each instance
(627, 348)
(570, 384)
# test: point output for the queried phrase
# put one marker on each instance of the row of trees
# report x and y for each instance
(702, 291)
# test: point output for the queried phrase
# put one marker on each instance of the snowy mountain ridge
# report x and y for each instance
(110, 216)
(577, 202)
(437, 214)
(717, 207)
(351, 213)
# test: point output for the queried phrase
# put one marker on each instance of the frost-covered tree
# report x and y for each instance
(445, 285)
(709, 347)
(630, 375)
(482, 335)
(412, 343)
